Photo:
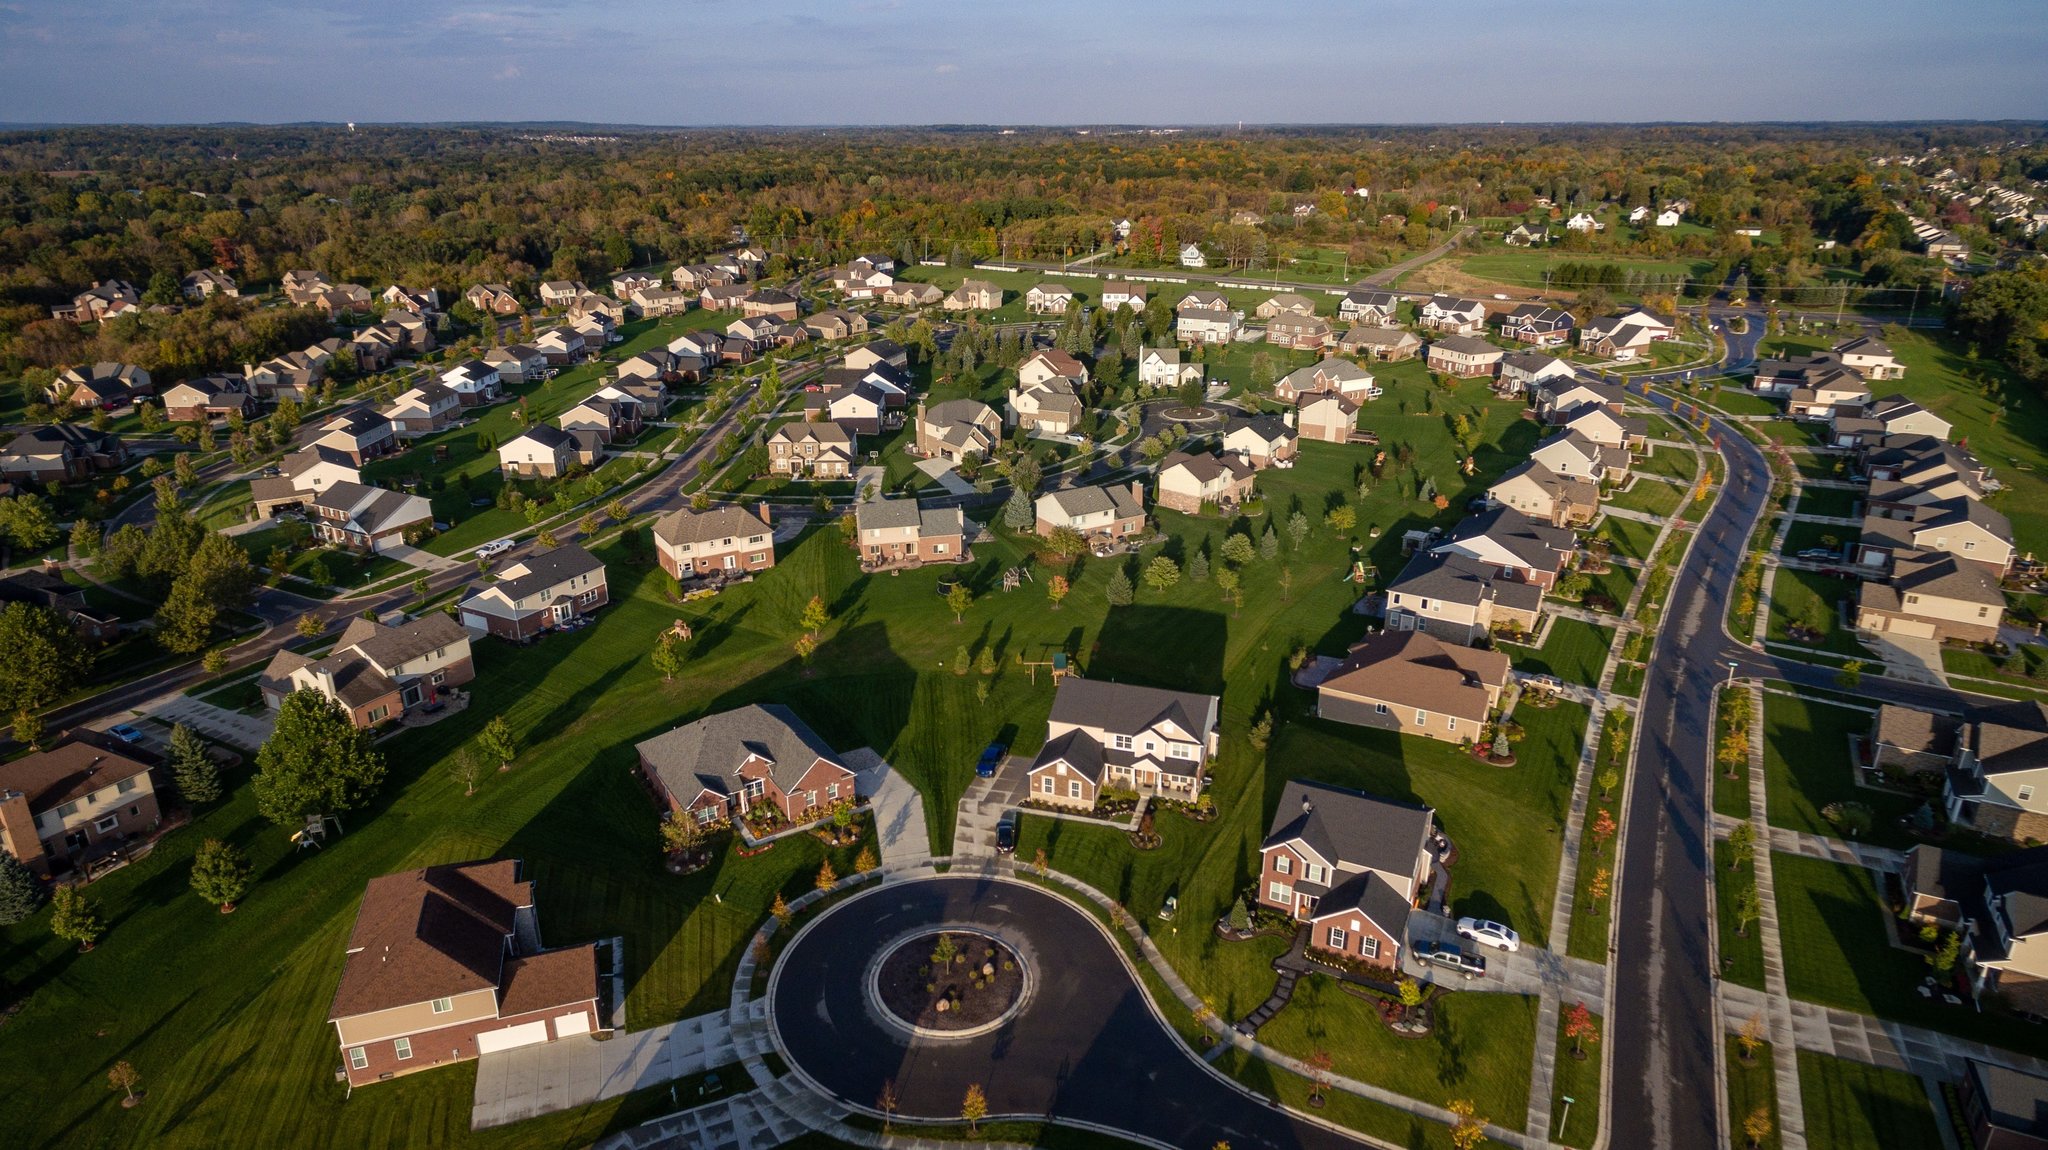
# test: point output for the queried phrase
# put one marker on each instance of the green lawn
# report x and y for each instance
(1833, 502)
(1628, 538)
(1395, 1127)
(1731, 795)
(1578, 1079)
(1735, 398)
(1812, 600)
(1590, 915)
(1673, 462)
(1802, 536)
(1807, 766)
(1575, 652)
(2028, 665)
(1649, 496)
(1748, 1088)
(1830, 920)
(1742, 956)
(1524, 267)
(1852, 1105)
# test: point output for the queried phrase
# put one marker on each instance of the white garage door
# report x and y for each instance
(1912, 628)
(525, 1034)
(568, 1024)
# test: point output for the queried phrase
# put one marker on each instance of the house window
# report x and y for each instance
(1379, 708)
(730, 562)
(1369, 946)
(2026, 792)
(1451, 723)
(379, 714)
(1073, 788)
(1121, 742)
(1045, 785)
(1283, 864)
(443, 1005)
(1277, 892)
(1315, 873)
(124, 786)
(1421, 717)
(67, 810)
(358, 1058)
(1969, 544)
(1337, 938)
(105, 825)
(403, 1047)
(938, 548)
(1150, 746)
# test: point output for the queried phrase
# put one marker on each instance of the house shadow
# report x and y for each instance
(1178, 648)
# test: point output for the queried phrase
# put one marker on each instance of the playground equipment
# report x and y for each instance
(1059, 665)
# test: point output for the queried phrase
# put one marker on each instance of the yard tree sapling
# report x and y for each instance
(1741, 845)
(467, 768)
(1198, 567)
(220, 874)
(865, 860)
(974, 1107)
(316, 761)
(28, 728)
(1580, 1027)
(123, 1077)
(1162, 573)
(1468, 1130)
(1750, 1038)
(74, 919)
(668, 656)
(497, 743)
(1756, 1126)
(780, 909)
(1747, 909)
(1297, 529)
(886, 1101)
(958, 600)
(1056, 589)
(963, 660)
(827, 877)
(1238, 549)
(1017, 512)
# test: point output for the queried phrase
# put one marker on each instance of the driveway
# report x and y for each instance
(869, 481)
(1530, 970)
(982, 807)
(516, 1084)
(423, 560)
(1905, 657)
(247, 732)
(948, 478)
(1084, 1046)
(898, 808)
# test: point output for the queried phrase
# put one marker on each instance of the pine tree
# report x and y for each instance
(1269, 543)
(21, 893)
(1017, 511)
(1240, 918)
(195, 772)
(1198, 567)
(1120, 591)
(220, 874)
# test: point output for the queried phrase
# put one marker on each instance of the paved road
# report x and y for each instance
(1085, 1048)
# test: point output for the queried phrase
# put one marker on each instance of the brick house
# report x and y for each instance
(1300, 332)
(445, 964)
(208, 398)
(376, 672)
(537, 594)
(1187, 482)
(53, 453)
(1102, 734)
(900, 533)
(1350, 864)
(2004, 1108)
(1416, 684)
(719, 541)
(1464, 356)
(1110, 511)
(819, 451)
(1534, 323)
(723, 765)
(80, 801)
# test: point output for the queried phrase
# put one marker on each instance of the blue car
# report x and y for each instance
(125, 733)
(991, 756)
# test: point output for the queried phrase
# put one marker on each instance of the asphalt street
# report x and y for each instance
(1085, 1047)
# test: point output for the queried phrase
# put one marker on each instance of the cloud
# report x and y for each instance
(509, 72)
(946, 69)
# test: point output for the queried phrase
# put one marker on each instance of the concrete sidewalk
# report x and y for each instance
(1876, 1041)
(421, 560)
(516, 1084)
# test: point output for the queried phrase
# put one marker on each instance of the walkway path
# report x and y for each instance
(1791, 842)
(422, 560)
(515, 1084)
(898, 808)
(743, 1122)
(1778, 1006)
(1861, 1038)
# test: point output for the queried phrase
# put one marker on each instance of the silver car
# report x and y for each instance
(1489, 933)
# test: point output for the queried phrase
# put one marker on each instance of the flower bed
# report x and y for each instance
(945, 982)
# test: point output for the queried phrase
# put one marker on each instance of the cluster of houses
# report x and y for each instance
(1591, 438)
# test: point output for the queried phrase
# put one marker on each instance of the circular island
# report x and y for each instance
(951, 983)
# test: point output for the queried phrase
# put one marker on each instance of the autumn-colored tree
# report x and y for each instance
(1056, 589)
(1757, 1126)
(1040, 864)
(1604, 827)
(1468, 1130)
(886, 1102)
(864, 861)
(122, 1076)
(779, 909)
(1741, 846)
(1320, 1064)
(1580, 1027)
(1601, 886)
(826, 875)
(815, 616)
(974, 1107)
(1750, 1038)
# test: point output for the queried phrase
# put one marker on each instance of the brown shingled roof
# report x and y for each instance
(430, 933)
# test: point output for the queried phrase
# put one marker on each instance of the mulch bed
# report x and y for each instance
(913, 991)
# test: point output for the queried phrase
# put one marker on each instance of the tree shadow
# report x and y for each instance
(1180, 648)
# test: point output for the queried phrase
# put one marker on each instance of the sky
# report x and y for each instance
(776, 62)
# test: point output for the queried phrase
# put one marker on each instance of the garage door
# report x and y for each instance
(1912, 628)
(568, 1024)
(525, 1034)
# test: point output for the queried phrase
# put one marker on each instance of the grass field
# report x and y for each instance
(1577, 1079)
(1629, 538)
(1649, 496)
(1672, 462)
(1590, 915)
(1750, 1087)
(1575, 651)
(1813, 600)
(1852, 1105)
(1807, 766)
(1833, 502)
(1742, 955)
(1524, 268)
(1802, 536)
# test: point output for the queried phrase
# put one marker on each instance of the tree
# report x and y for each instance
(985, 662)
(85, 537)
(1198, 567)
(1063, 542)
(1943, 960)
(958, 600)
(45, 657)
(1320, 1064)
(74, 919)
(1580, 1027)
(1747, 909)
(945, 951)
(21, 892)
(1757, 1125)
(1240, 918)
(1750, 1038)
(1741, 845)
(28, 522)
(1467, 1129)
(1411, 995)
(1238, 549)
(886, 1102)
(1261, 732)
(815, 616)
(1603, 828)
(496, 742)
(1342, 517)
(192, 768)
(974, 1107)
(220, 873)
(1161, 573)
(316, 761)
(28, 728)
(1018, 514)
(1601, 886)
(1056, 589)
(780, 909)
(1269, 543)
(826, 875)
(1851, 675)
(865, 860)
(1297, 528)
(1608, 780)
(184, 622)
(122, 1076)
(310, 627)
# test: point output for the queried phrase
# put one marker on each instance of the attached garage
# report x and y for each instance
(568, 1024)
(510, 1037)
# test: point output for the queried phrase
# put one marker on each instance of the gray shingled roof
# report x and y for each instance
(710, 751)
(1125, 708)
(1350, 827)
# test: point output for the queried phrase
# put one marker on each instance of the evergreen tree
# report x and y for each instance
(21, 893)
(1120, 590)
(220, 874)
(1198, 567)
(1269, 543)
(1017, 510)
(194, 770)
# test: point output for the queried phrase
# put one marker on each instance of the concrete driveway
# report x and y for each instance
(1905, 657)
(246, 732)
(982, 806)
(515, 1084)
(898, 808)
(948, 478)
(422, 560)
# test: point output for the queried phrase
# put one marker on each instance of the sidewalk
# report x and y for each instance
(1861, 1038)
(1791, 842)
(1778, 1006)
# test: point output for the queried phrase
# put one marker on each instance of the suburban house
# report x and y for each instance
(1464, 356)
(1191, 256)
(40, 588)
(1668, 218)
(904, 293)
(1972, 532)
(1048, 299)
(77, 803)
(364, 518)
(560, 293)
(537, 593)
(1103, 735)
(418, 302)
(1870, 357)
(1262, 441)
(1205, 325)
(769, 302)
(1624, 336)
(423, 410)
(296, 373)
(817, 451)
(1513, 544)
(1813, 386)
(208, 398)
(300, 285)
(1600, 424)
(207, 283)
(2004, 1108)
(956, 429)
(1909, 739)
(625, 285)
(722, 297)
(1574, 456)
(1162, 367)
(660, 301)
(1452, 315)
(1584, 222)
(700, 277)
(1187, 482)
(973, 295)
(901, 533)
(1995, 903)
(1536, 324)
(542, 451)
(1456, 597)
(611, 421)
(1526, 236)
(1369, 308)
(1525, 371)
(1540, 493)
(836, 323)
(1350, 864)
(1416, 684)
(1119, 294)
(1299, 332)
(862, 408)
(1285, 303)
(863, 278)
(377, 672)
(1386, 343)
(414, 334)
(104, 385)
(474, 382)
(105, 299)
(493, 299)
(1554, 401)
(301, 476)
(719, 541)
(877, 353)
(1111, 511)
(1326, 417)
(445, 964)
(602, 308)
(361, 435)
(1049, 404)
(1048, 365)
(1328, 376)
(1202, 299)
(725, 765)
(58, 452)
(1998, 785)
(1939, 597)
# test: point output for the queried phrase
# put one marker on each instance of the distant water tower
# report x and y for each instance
(351, 125)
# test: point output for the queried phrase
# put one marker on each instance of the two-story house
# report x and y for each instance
(377, 672)
(1337, 376)
(537, 593)
(1385, 343)
(423, 410)
(1416, 684)
(1115, 735)
(1369, 308)
(1516, 545)
(364, 518)
(1456, 597)
(1110, 511)
(1933, 596)
(1048, 299)
(208, 398)
(1534, 323)
(1999, 783)
(818, 451)
(362, 435)
(1535, 490)
(301, 477)
(895, 533)
(1452, 315)
(1262, 441)
(1326, 417)
(445, 964)
(87, 797)
(476, 382)
(725, 765)
(1162, 367)
(1574, 456)
(956, 429)
(973, 295)
(1205, 325)
(493, 299)
(1350, 864)
(1523, 372)
(718, 541)
(542, 451)
(55, 453)
(1187, 482)
(1464, 356)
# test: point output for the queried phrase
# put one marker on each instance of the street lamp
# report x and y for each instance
(1731, 673)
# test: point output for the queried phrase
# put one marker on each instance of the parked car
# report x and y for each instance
(1489, 933)
(991, 757)
(1818, 553)
(271, 472)
(125, 733)
(494, 547)
(1450, 957)
(1006, 835)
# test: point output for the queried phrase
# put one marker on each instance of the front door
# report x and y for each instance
(563, 611)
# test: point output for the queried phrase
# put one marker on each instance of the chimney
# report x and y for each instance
(1306, 805)
(18, 828)
(766, 514)
(1287, 417)
(1138, 491)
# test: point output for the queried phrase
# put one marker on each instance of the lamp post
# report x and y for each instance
(1731, 673)
(1567, 1116)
